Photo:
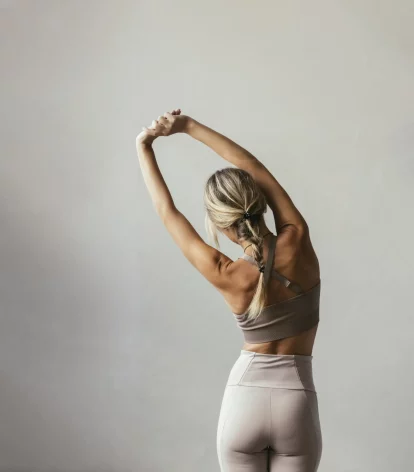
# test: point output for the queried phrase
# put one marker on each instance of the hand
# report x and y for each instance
(166, 125)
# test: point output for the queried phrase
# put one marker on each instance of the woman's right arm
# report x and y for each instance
(286, 215)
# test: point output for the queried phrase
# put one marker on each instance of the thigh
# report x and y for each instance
(296, 440)
(243, 429)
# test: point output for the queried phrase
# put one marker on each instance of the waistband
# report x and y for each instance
(275, 355)
(292, 371)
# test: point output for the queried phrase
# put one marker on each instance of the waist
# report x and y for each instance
(291, 371)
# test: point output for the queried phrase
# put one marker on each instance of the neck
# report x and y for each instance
(246, 245)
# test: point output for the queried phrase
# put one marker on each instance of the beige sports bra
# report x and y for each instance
(282, 319)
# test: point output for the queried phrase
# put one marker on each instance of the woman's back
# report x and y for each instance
(294, 260)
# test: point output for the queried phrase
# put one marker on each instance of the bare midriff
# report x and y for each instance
(301, 344)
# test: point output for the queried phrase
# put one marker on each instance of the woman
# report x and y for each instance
(269, 417)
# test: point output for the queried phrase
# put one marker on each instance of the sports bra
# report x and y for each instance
(282, 319)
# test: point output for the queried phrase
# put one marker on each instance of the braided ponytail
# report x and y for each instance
(233, 199)
(256, 242)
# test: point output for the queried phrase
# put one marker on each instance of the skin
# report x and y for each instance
(236, 280)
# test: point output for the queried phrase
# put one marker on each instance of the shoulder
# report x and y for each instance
(241, 277)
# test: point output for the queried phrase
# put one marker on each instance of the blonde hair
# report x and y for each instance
(228, 194)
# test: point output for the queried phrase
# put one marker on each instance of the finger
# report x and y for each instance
(168, 116)
(162, 120)
(157, 123)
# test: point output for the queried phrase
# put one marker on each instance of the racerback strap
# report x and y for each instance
(269, 262)
(269, 271)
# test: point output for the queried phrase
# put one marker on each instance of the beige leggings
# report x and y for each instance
(269, 417)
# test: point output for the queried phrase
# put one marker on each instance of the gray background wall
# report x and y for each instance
(114, 350)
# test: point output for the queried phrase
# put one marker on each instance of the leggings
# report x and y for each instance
(269, 417)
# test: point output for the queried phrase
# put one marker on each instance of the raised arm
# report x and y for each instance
(286, 215)
(209, 261)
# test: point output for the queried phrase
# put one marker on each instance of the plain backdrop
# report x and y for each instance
(114, 350)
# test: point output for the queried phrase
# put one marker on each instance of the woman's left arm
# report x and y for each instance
(213, 264)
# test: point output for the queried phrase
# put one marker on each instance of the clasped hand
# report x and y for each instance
(165, 125)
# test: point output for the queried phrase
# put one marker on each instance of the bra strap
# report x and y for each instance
(273, 272)
(286, 282)
(269, 262)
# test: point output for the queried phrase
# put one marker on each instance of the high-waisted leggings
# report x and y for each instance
(269, 416)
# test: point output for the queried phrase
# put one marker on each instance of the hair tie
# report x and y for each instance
(246, 215)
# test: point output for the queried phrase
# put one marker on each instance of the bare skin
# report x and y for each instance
(295, 257)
